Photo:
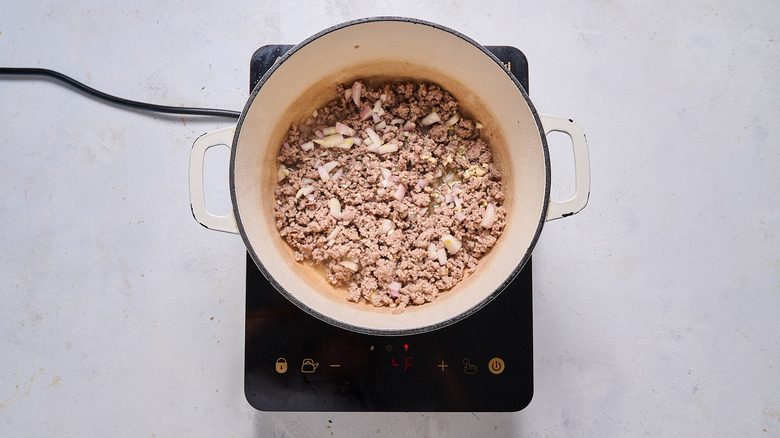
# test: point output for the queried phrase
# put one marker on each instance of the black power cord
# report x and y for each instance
(118, 100)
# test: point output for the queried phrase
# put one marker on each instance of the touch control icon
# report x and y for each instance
(496, 365)
(468, 367)
(281, 365)
(309, 366)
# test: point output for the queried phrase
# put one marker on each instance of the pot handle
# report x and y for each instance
(559, 209)
(226, 223)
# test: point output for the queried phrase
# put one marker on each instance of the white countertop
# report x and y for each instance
(655, 308)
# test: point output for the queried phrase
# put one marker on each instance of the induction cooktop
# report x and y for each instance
(296, 362)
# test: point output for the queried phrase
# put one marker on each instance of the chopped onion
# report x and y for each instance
(304, 191)
(451, 243)
(409, 126)
(349, 264)
(286, 145)
(348, 94)
(323, 173)
(459, 215)
(319, 133)
(357, 88)
(378, 110)
(337, 175)
(281, 173)
(441, 254)
(335, 207)
(375, 117)
(383, 97)
(381, 192)
(334, 233)
(394, 178)
(432, 252)
(344, 129)
(347, 144)
(396, 121)
(365, 113)
(386, 226)
(309, 145)
(330, 165)
(393, 293)
(489, 216)
(452, 120)
(310, 197)
(375, 140)
(384, 183)
(447, 199)
(348, 215)
(330, 130)
(385, 172)
(430, 119)
(381, 125)
(400, 192)
(357, 140)
(387, 148)
(373, 148)
(422, 183)
(307, 181)
(330, 141)
(457, 201)
(394, 288)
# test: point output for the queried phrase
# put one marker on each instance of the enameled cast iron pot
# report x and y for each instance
(380, 49)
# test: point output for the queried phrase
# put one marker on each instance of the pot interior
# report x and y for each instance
(377, 51)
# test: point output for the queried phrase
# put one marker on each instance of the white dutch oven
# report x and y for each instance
(389, 48)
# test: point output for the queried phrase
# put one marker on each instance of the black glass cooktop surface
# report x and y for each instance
(296, 362)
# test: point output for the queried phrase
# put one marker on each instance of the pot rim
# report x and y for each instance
(370, 330)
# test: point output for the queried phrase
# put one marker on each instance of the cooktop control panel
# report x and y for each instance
(296, 362)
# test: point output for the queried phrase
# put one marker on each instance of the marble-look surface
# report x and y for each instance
(655, 308)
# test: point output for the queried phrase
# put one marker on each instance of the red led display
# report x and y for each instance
(406, 363)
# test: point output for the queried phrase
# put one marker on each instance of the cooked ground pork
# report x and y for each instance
(391, 191)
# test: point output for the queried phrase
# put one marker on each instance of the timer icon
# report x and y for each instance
(496, 365)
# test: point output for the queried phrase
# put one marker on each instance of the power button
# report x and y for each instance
(496, 365)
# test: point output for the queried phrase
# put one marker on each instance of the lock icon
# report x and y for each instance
(281, 365)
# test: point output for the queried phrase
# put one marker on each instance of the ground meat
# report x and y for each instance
(396, 202)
